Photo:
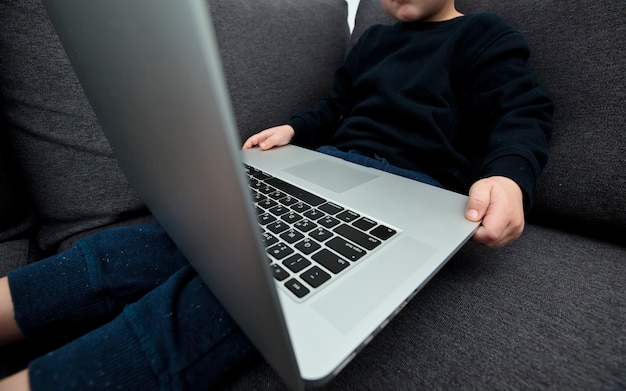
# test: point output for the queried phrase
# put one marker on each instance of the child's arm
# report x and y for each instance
(270, 138)
(516, 114)
(498, 201)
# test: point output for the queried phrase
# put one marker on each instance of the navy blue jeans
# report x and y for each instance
(377, 162)
(136, 316)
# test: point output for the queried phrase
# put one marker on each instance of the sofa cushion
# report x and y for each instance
(546, 312)
(576, 51)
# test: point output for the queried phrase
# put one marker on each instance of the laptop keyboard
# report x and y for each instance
(310, 241)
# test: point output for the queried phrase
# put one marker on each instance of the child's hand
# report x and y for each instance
(270, 138)
(498, 201)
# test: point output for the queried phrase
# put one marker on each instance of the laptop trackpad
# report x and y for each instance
(353, 298)
(333, 176)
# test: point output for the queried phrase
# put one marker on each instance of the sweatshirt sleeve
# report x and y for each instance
(516, 111)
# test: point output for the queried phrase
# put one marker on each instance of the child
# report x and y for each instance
(430, 95)
(433, 95)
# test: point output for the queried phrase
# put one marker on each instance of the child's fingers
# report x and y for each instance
(478, 201)
(249, 143)
(276, 137)
(254, 140)
(270, 138)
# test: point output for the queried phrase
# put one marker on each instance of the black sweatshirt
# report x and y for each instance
(452, 99)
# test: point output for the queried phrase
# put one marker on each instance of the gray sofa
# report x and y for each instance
(546, 312)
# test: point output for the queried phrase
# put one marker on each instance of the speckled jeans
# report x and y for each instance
(128, 312)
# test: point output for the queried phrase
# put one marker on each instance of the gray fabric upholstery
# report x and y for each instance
(70, 173)
(15, 208)
(279, 56)
(15, 253)
(17, 217)
(547, 312)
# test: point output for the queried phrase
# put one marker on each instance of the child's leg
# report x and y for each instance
(17, 382)
(9, 332)
(66, 295)
(176, 337)
(378, 163)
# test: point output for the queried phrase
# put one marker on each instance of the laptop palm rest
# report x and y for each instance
(383, 275)
(334, 176)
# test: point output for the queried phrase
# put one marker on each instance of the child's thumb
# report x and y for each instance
(478, 201)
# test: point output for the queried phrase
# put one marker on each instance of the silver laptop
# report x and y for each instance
(311, 255)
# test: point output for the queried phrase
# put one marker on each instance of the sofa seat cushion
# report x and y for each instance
(547, 311)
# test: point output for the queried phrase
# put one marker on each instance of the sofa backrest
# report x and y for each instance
(17, 216)
(279, 57)
(62, 157)
(577, 52)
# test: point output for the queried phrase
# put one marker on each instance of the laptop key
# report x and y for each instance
(328, 221)
(280, 251)
(278, 272)
(266, 218)
(301, 207)
(291, 236)
(279, 210)
(307, 246)
(358, 237)
(295, 191)
(296, 263)
(364, 224)
(330, 261)
(330, 208)
(383, 232)
(288, 200)
(266, 203)
(268, 239)
(297, 288)
(314, 214)
(256, 173)
(276, 194)
(255, 184)
(277, 227)
(345, 248)
(315, 276)
(258, 197)
(320, 234)
(291, 217)
(305, 225)
(347, 216)
(265, 189)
